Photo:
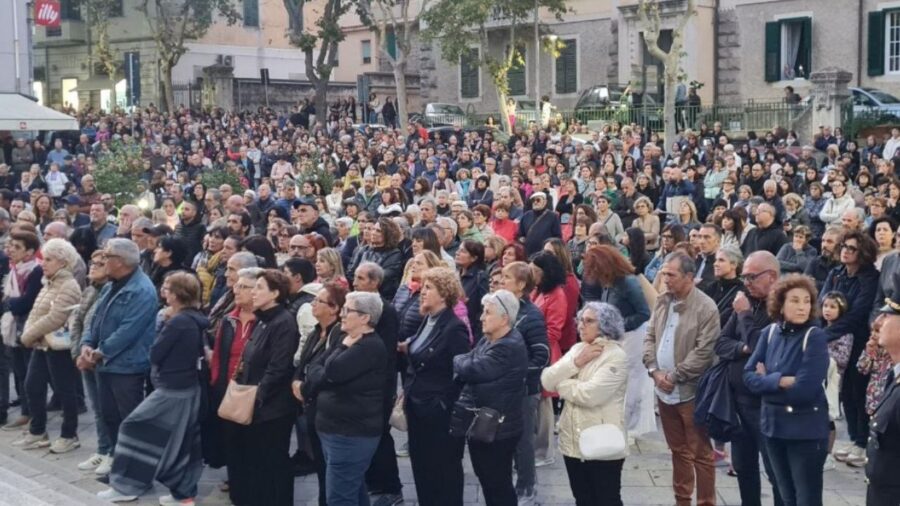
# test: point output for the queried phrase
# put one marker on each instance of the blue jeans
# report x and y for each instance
(119, 394)
(346, 461)
(524, 456)
(798, 464)
(104, 445)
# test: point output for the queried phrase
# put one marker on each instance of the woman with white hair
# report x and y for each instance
(350, 400)
(592, 378)
(493, 377)
(46, 333)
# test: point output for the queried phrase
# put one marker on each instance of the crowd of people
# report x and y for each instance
(537, 296)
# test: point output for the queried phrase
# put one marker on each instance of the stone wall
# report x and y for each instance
(283, 94)
(728, 59)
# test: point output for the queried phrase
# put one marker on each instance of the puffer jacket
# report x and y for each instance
(835, 207)
(493, 376)
(406, 302)
(530, 323)
(594, 394)
(60, 296)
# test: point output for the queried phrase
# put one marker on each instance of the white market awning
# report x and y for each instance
(20, 113)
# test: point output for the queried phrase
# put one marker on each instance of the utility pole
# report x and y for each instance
(537, 56)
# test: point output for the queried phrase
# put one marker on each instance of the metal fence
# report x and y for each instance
(751, 115)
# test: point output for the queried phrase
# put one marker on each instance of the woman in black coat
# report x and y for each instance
(383, 250)
(430, 391)
(493, 376)
(259, 465)
(470, 260)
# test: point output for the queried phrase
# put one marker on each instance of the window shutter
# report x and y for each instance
(773, 51)
(516, 76)
(251, 12)
(806, 43)
(468, 74)
(392, 43)
(567, 68)
(876, 43)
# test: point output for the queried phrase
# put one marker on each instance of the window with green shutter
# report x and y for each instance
(516, 76)
(567, 68)
(788, 50)
(251, 13)
(392, 43)
(886, 44)
(469, 70)
(875, 55)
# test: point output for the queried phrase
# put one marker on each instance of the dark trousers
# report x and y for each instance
(745, 450)
(595, 482)
(798, 464)
(492, 463)
(882, 496)
(20, 358)
(259, 463)
(435, 455)
(853, 398)
(57, 368)
(383, 475)
(119, 394)
(5, 370)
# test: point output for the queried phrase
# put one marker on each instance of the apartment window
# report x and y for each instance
(567, 68)
(366, 52)
(69, 93)
(470, 73)
(516, 76)
(892, 40)
(788, 49)
(116, 9)
(251, 13)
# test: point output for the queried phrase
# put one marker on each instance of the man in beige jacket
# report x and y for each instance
(677, 351)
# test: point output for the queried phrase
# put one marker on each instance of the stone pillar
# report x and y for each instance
(828, 95)
(218, 86)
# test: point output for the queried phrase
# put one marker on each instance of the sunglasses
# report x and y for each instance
(851, 248)
(750, 278)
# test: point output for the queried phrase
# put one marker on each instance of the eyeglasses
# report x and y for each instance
(752, 277)
(346, 310)
(320, 301)
(851, 248)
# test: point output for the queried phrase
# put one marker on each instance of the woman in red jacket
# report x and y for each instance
(550, 297)
(572, 290)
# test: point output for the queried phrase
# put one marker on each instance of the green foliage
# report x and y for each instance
(312, 172)
(216, 178)
(118, 171)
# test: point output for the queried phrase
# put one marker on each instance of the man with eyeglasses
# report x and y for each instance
(300, 247)
(767, 236)
(383, 476)
(735, 345)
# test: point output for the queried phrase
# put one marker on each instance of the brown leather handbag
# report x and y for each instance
(239, 401)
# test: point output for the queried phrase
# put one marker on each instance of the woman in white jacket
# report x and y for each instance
(592, 378)
(839, 202)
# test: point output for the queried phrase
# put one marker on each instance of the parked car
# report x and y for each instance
(526, 111)
(607, 103)
(868, 100)
(436, 114)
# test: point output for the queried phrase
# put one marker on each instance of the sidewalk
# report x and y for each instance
(38, 478)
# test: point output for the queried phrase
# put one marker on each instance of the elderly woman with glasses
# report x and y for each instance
(592, 378)
(493, 377)
(349, 413)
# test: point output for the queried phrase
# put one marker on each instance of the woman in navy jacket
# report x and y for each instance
(787, 370)
(430, 391)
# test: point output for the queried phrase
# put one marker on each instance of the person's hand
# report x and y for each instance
(295, 388)
(786, 382)
(661, 380)
(83, 364)
(403, 347)
(872, 345)
(746, 349)
(96, 356)
(208, 353)
(741, 303)
(588, 353)
(761, 368)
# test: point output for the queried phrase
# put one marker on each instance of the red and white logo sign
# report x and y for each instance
(47, 13)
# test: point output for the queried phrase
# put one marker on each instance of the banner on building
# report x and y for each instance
(47, 13)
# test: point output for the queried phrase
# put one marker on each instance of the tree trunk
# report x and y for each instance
(167, 88)
(669, 102)
(504, 110)
(321, 102)
(399, 68)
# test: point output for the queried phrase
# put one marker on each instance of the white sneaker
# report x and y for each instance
(544, 462)
(830, 464)
(64, 445)
(112, 495)
(33, 442)
(91, 463)
(168, 500)
(105, 465)
(840, 454)
(403, 451)
(857, 457)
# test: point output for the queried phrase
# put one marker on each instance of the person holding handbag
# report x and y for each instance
(259, 465)
(591, 378)
(46, 334)
(488, 413)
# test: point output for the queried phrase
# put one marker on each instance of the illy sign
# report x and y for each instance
(47, 13)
